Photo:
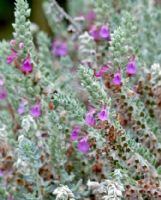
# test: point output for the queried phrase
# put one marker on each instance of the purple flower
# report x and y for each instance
(21, 108)
(131, 68)
(27, 65)
(117, 78)
(94, 32)
(104, 32)
(36, 110)
(1, 173)
(75, 133)
(103, 114)
(12, 56)
(83, 145)
(90, 16)
(3, 93)
(59, 48)
(101, 71)
(90, 120)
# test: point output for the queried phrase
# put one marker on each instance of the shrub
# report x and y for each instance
(80, 113)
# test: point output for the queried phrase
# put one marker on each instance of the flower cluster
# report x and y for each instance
(102, 115)
(83, 144)
(131, 70)
(100, 33)
(26, 66)
(35, 110)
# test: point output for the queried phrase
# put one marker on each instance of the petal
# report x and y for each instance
(101, 71)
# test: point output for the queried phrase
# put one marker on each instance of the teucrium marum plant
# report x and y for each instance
(22, 27)
(123, 42)
(80, 113)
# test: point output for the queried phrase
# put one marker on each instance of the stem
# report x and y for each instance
(66, 16)
(40, 197)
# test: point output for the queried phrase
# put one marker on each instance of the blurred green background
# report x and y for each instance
(7, 16)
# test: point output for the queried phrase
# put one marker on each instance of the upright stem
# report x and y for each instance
(65, 15)
(40, 197)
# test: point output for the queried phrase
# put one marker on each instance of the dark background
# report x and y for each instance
(7, 16)
(37, 15)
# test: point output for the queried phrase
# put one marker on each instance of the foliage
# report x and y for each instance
(80, 112)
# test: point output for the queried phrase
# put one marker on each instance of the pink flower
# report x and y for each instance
(104, 32)
(3, 93)
(75, 133)
(131, 68)
(103, 114)
(1, 82)
(117, 78)
(27, 65)
(101, 71)
(12, 56)
(94, 32)
(90, 16)
(36, 110)
(12, 43)
(59, 48)
(90, 120)
(83, 145)
(21, 45)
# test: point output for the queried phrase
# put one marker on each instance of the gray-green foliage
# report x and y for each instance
(87, 50)
(63, 193)
(45, 67)
(22, 25)
(118, 153)
(44, 45)
(147, 16)
(27, 151)
(71, 104)
(97, 93)
(56, 16)
(103, 10)
(123, 44)
(108, 189)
